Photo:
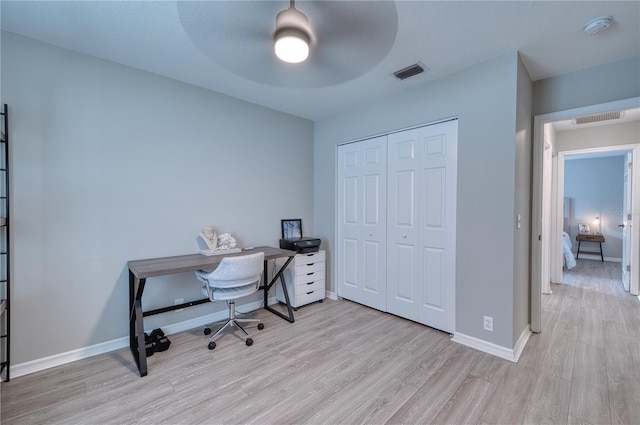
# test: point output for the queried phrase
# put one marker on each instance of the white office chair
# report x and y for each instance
(234, 277)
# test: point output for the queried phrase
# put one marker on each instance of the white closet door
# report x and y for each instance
(422, 167)
(438, 191)
(402, 229)
(362, 256)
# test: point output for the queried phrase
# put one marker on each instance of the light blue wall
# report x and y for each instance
(484, 100)
(596, 188)
(111, 164)
(605, 83)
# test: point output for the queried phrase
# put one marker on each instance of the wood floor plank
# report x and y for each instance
(433, 395)
(467, 403)
(558, 360)
(491, 368)
(590, 327)
(623, 399)
(589, 391)
(549, 402)
(577, 421)
(511, 399)
(624, 393)
(345, 405)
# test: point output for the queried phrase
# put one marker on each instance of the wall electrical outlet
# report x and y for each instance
(488, 323)
(178, 301)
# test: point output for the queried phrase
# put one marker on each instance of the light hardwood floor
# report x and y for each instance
(342, 363)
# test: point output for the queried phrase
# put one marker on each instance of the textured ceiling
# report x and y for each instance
(226, 46)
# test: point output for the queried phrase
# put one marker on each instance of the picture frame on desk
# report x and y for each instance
(291, 228)
(584, 229)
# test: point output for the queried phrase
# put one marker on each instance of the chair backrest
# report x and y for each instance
(237, 271)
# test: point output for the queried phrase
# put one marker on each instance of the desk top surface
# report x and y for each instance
(589, 238)
(187, 263)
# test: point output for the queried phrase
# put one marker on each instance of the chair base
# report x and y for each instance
(231, 322)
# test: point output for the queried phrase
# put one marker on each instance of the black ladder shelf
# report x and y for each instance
(5, 316)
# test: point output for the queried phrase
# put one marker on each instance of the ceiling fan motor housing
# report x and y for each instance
(291, 21)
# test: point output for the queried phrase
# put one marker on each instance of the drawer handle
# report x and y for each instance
(309, 293)
(309, 274)
(310, 283)
(310, 264)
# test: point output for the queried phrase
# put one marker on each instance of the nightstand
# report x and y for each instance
(590, 238)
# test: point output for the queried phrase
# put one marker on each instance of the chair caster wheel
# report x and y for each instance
(207, 331)
(260, 326)
(211, 345)
(249, 341)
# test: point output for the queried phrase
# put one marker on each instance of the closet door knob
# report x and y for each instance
(404, 236)
(370, 234)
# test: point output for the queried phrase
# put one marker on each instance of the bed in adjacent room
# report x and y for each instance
(569, 260)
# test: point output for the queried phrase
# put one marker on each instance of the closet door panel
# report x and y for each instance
(434, 198)
(350, 200)
(401, 291)
(433, 265)
(362, 221)
(373, 282)
(438, 165)
(402, 295)
(349, 270)
(404, 199)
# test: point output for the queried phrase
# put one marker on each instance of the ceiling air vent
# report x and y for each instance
(409, 71)
(600, 117)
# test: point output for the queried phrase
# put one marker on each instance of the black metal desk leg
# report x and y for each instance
(132, 321)
(266, 288)
(136, 324)
(601, 256)
(286, 297)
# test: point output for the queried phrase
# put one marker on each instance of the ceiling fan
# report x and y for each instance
(345, 39)
(293, 35)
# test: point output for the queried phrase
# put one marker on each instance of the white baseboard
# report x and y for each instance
(37, 365)
(496, 350)
(331, 295)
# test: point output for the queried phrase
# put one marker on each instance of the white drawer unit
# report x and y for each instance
(305, 279)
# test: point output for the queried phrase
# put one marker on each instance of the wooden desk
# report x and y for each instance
(140, 270)
(590, 238)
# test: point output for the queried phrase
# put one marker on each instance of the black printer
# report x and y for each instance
(301, 245)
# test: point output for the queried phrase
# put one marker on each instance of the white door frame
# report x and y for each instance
(537, 235)
(627, 247)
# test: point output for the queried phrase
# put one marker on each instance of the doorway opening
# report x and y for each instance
(548, 196)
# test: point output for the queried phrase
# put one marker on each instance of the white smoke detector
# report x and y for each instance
(597, 25)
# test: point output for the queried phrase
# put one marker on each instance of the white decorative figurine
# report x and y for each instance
(209, 237)
(226, 241)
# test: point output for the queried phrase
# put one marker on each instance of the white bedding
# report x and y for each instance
(569, 259)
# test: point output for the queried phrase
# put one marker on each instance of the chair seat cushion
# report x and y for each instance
(231, 293)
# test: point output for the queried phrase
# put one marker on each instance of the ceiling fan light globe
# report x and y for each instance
(291, 48)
